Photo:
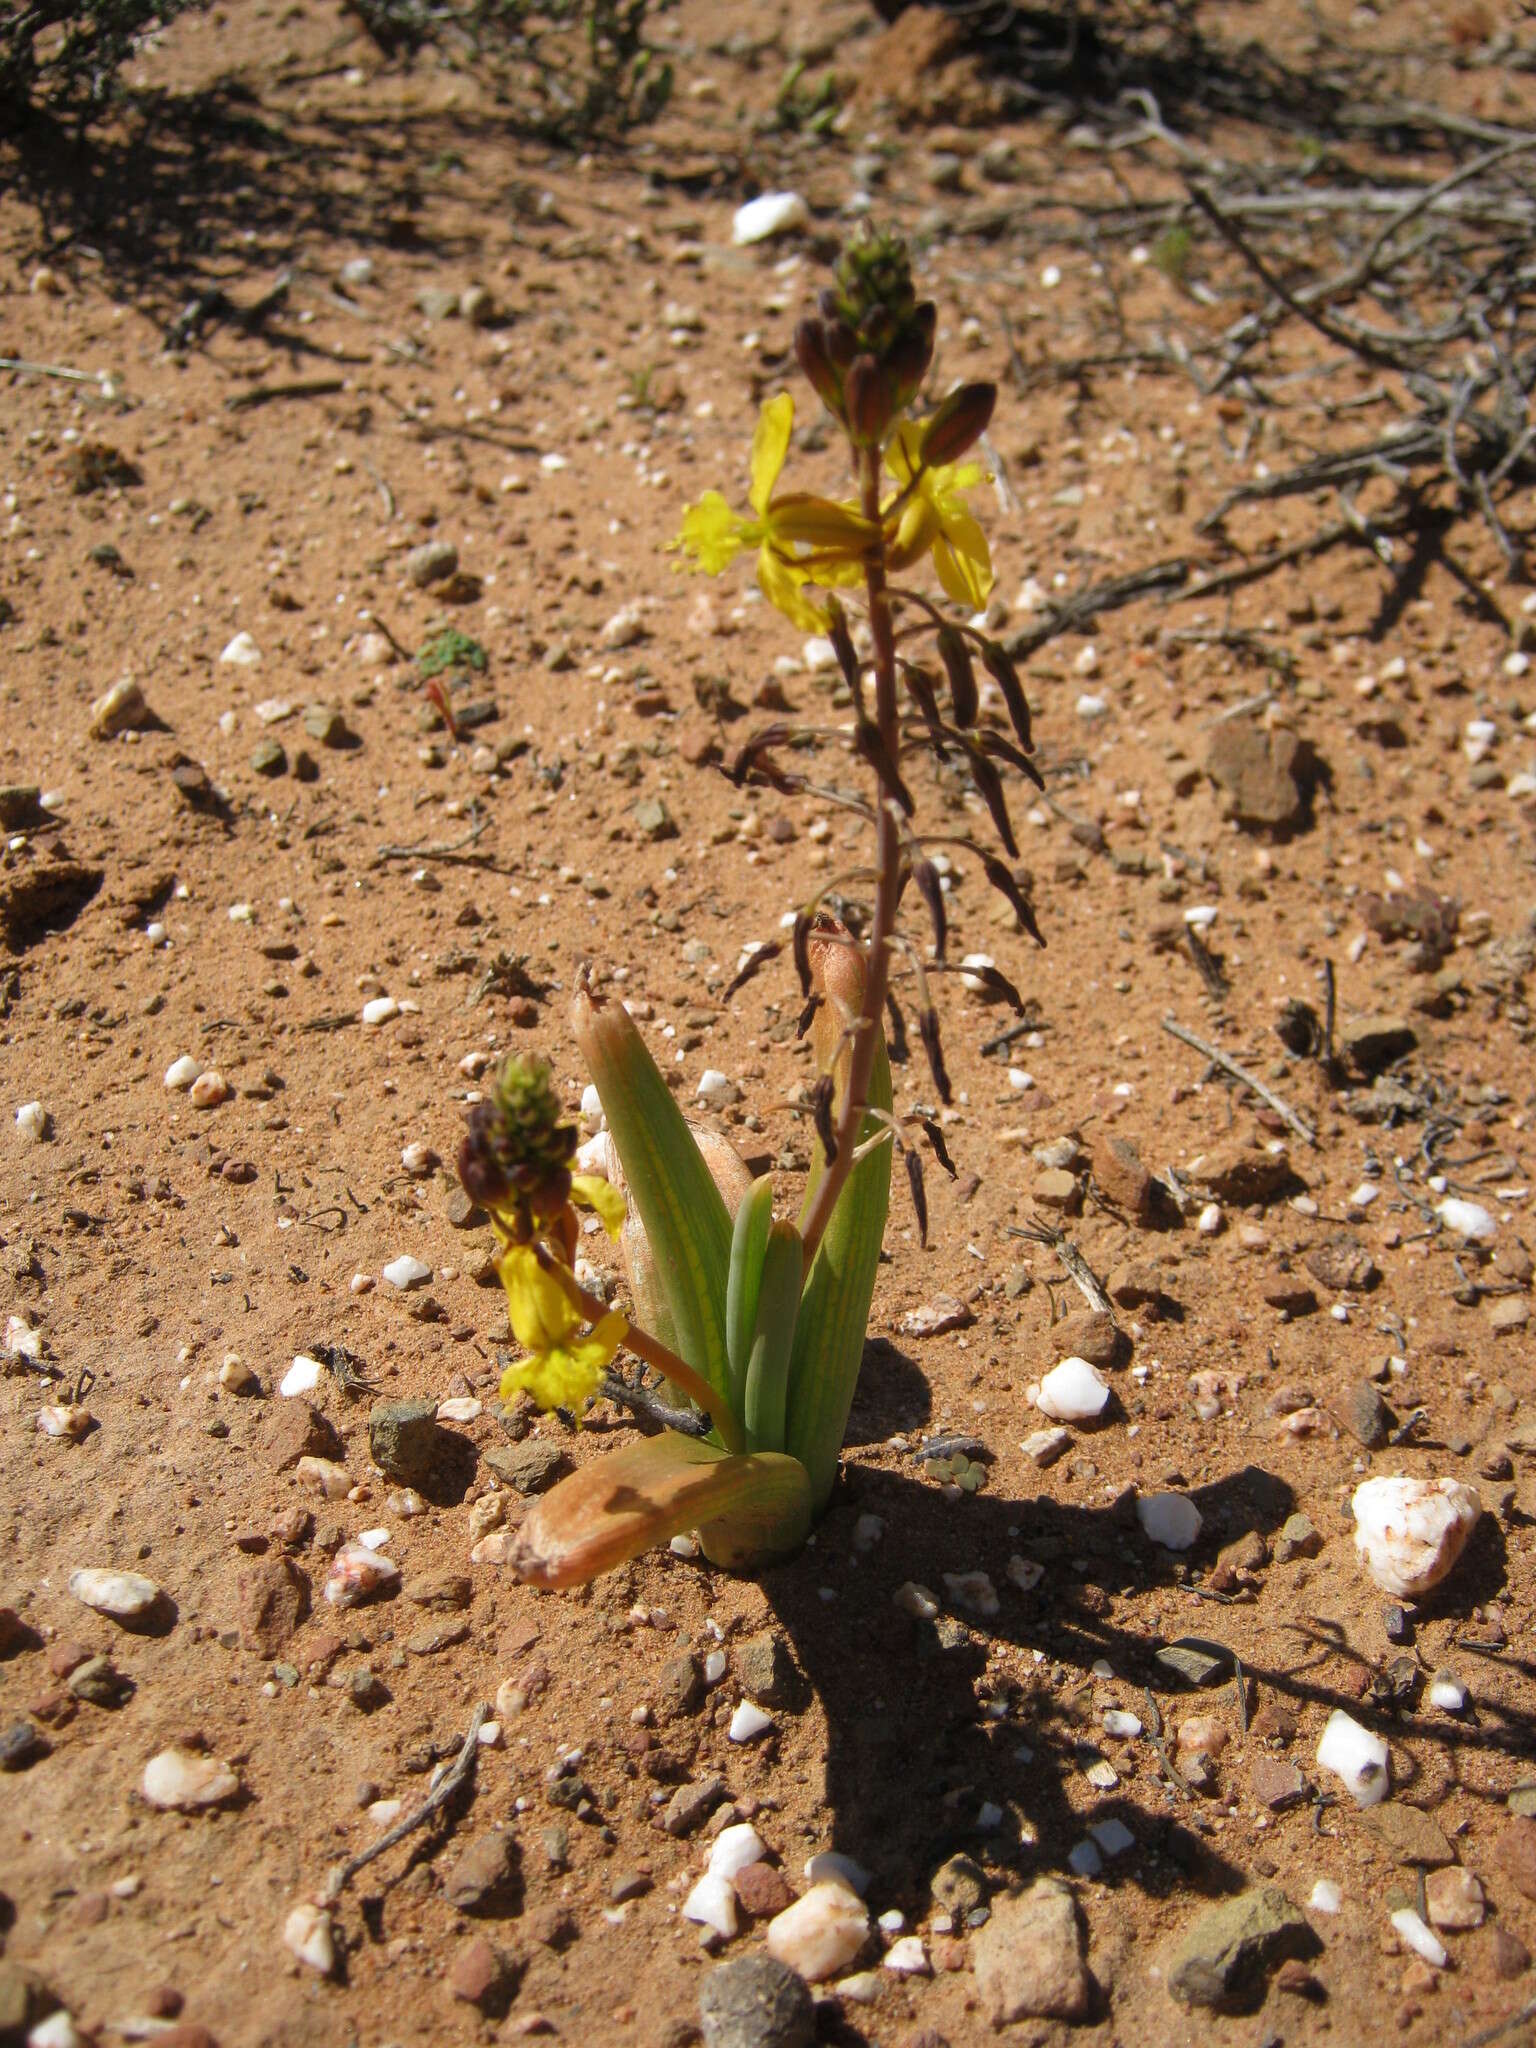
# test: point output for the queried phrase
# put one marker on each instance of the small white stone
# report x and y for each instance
(973, 980)
(385, 1812)
(57, 2031)
(1092, 707)
(1326, 1896)
(182, 1781)
(406, 1272)
(209, 1090)
(307, 1935)
(1117, 1722)
(716, 1090)
(863, 1987)
(1447, 1692)
(323, 1476)
(65, 1419)
(1073, 1391)
(1170, 1519)
(125, 1596)
(22, 1341)
(32, 1122)
(908, 1958)
(356, 1574)
(916, 1600)
(819, 655)
(773, 213)
(182, 1073)
(1045, 1446)
(831, 1866)
(1025, 1572)
(1413, 1933)
(591, 1104)
(1411, 1531)
(712, 1903)
(458, 1408)
(236, 1377)
(820, 1934)
(1357, 1756)
(1112, 1836)
(303, 1376)
(973, 1591)
(379, 1009)
(418, 1159)
(734, 1848)
(715, 1667)
(748, 1722)
(374, 1539)
(1102, 1775)
(241, 652)
(1468, 1219)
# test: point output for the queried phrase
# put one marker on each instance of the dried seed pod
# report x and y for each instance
(989, 786)
(956, 657)
(821, 1116)
(935, 1138)
(928, 1031)
(1008, 884)
(920, 689)
(872, 748)
(999, 665)
(847, 655)
(802, 950)
(997, 983)
(926, 877)
(1001, 748)
(756, 961)
(919, 1196)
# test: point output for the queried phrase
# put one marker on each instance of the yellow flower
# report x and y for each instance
(564, 1368)
(934, 517)
(591, 1191)
(799, 539)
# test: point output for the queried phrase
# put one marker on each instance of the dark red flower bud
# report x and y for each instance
(820, 371)
(870, 400)
(960, 420)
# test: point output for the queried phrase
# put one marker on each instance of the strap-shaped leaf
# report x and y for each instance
(749, 1241)
(747, 1510)
(834, 1309)
(778, 1303)
(685, 1219)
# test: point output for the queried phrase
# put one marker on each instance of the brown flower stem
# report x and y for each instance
(654, 1352)
(866, 1031)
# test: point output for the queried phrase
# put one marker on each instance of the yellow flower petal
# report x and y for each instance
(567, 1375)
(770, 445)
(783, 586)
(963, 561)
(803, 520)
(591, 1191)
(540, 1311)
(713, 534)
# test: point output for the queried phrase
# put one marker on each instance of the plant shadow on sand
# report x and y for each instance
(932, 1721)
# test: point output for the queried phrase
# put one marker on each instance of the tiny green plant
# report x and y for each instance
(755, 1322)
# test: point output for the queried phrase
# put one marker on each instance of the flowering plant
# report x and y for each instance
(756, 1324)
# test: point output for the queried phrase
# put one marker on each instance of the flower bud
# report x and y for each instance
(911, 353)
(960, 419)
(870, 400)
(817, 365)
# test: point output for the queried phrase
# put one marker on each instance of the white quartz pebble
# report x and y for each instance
(356, 1574)
(1118, 1722)
(125, 1596)
(712, 1903)
(1326, 1896)
(406, 1272)
(821, 1933)
(831, 1866)
(65, 1418)
(241, 652)
(716, 1090)
(1355, 1755)
(182, 1781)
(1411, 1531)
(773, 213)
(734, 1848)
(1468, 1219)
(908, 1958)
(57, 2031)
(1447, 1692)
(32, 1122)
(748, 1722)
(303, 1376)
(1413, 1933)
(181, 1073)
(307, 1935)
(418, 1159)
(1171, 1519)
(209, 1090)
(1073, 1391)
(591, 1104)
(379, 1009)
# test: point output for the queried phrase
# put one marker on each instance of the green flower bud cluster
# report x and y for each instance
(516, 1155)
